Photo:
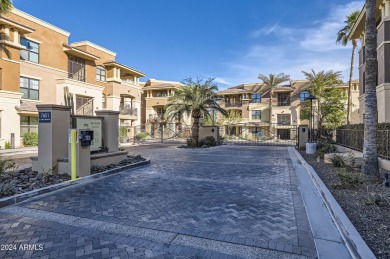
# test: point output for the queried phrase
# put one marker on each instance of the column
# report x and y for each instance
(119, 73)
(387, 8)
(135, 80)
(52, 135)
(16, 37)
(115, 73)
(6, 31)
(382, 8)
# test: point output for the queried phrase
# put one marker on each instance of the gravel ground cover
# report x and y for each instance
(23, 180)
(366, 205)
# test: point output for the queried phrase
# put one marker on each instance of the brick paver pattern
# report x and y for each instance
(236, 195)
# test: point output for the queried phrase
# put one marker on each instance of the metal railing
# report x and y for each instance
(354, 139)
(127, 110)
(85, 109)
(233, 104)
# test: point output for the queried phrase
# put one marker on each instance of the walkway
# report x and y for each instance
(223, 202)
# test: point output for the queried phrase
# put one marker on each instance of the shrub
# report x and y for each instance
(349, 178)
(141, 136)
(7, 145)
(190, 142)
(210, 141)
(7, 189)
(324, 148)
(201, 143)
(7, 166)
(337, 161)
(122, 131)
(30, 139)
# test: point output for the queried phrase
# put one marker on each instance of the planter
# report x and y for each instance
(311, 148)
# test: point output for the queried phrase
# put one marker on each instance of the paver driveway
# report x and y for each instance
(226, 201)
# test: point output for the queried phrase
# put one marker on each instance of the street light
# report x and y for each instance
(311, 121)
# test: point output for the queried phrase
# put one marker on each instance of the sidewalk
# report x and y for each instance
(18, 152)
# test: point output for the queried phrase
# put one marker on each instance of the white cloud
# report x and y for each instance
(296, 49)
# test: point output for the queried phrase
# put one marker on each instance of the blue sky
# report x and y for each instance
(232, 41)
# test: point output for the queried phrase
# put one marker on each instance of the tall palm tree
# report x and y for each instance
(370, 165)
(270, 82)
(342, 37)
(5, 6)
(194, 99)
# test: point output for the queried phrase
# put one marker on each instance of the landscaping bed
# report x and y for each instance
(14, 181)
(367, 205)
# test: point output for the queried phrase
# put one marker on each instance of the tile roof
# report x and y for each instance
(27, 107)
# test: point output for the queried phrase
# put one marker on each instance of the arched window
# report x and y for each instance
(100, 73)
(303, 96)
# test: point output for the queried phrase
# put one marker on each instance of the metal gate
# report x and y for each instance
(161, 132)
(258, 134)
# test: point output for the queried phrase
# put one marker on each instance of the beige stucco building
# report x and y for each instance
(383, 58)
(37, 63)
(251, 103)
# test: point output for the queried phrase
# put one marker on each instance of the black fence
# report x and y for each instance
(354, 139)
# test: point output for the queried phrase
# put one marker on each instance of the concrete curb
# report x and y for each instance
(27, 195)
(354, 242)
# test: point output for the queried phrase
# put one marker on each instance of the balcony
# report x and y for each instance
(126, 112)
(233, 104)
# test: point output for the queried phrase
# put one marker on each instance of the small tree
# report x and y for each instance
(330, 103)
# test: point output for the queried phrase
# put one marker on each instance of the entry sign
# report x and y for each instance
(44, 116)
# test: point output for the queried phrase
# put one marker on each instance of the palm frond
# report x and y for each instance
(5, 6)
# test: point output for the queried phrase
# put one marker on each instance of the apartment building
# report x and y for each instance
(38, 65)
(155, 98)
(383, 57)
(251, 103)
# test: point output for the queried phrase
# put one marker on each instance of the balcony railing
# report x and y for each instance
(127, 110)
(233, 104)
(284, 103)
(284, 122)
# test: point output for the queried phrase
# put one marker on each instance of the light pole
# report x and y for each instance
(311, 121)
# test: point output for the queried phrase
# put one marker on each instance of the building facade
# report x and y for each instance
(38, 65)
(250, 103)
(155, 97)
(383, 58)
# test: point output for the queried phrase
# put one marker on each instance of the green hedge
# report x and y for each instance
(30, 139)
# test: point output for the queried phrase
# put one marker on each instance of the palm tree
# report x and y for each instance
(5, 6)
(370, 151)
(342, 37)
(270, 82)
(318, 84)
(194, 99)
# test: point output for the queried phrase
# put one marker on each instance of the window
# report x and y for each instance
(283, 99)
(28, 124)
(100, 73)
(76, 68)
(256, 98)
(84, 105)
(31, 53)
(30, 88)
(256, 115)
(161, 94)
(255, 130)
(303, 96)
(284, 119)
(160, 112)
(104, 101)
